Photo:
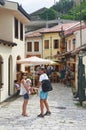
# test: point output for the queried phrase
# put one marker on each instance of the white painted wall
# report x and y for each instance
(7, 34)
(83, 37)
(5, 51)
(6, 26)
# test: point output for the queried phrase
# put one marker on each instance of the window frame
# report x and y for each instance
(29, 46)
(46, 44)
(21, 31)
(36, 46)
(74, 43)
(16, 28)
(55, 45)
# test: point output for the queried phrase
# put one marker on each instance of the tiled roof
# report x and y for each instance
(7, 43)
(68, 28)
(60, 27)
(34, 33)
(70, 31)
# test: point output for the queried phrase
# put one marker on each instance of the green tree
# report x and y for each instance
(78, 12)
(48, 14)
(63, 6)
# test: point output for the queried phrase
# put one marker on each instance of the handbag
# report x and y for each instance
(46, 85)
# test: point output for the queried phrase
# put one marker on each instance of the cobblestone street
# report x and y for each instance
(66, 115)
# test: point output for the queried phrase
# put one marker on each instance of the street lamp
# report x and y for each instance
(81, 69)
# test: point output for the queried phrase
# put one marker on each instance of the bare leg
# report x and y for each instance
(42, 106)
(46, 105)
(24, 106)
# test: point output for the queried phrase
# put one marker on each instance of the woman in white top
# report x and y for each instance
(25, 93)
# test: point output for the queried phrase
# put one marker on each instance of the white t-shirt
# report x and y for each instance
(41, 78)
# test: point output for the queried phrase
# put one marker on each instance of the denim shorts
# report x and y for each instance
(43, 95)
(26, 96)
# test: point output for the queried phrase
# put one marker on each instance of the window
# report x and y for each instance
(21, 31)
(74, 42)
(36, 46)
(56, 44)
(46, 44)
(29, 46)
(69, 45)
(16, 27)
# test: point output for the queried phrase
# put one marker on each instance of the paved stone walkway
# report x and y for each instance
(65, 114)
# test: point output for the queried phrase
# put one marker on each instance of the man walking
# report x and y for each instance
(43, 95)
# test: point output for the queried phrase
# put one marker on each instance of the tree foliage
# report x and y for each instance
(48, 14)
(65, 9)
(63, 6)
(78, 12)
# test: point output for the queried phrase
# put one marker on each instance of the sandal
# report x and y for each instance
(25, 115)
(47, 113)
(40, 115)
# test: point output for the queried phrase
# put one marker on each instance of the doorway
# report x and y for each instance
(9, 75)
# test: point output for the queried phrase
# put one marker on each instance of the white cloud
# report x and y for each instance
(33, 5)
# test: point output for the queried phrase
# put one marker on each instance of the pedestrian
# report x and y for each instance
(25, 92)
(17, 86)
(43, 95)
(62, 75)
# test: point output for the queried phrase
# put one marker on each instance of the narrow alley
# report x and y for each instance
(66, 114)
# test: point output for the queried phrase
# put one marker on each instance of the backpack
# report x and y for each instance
(46, 85)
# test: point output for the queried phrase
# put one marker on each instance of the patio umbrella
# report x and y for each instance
(33, 61)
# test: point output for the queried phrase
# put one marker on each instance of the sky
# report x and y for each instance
(31, 6)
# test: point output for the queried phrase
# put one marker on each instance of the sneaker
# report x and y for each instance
(47, 113)
(40, 115)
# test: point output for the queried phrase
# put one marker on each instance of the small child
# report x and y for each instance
(17, 86)
(28, 81)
